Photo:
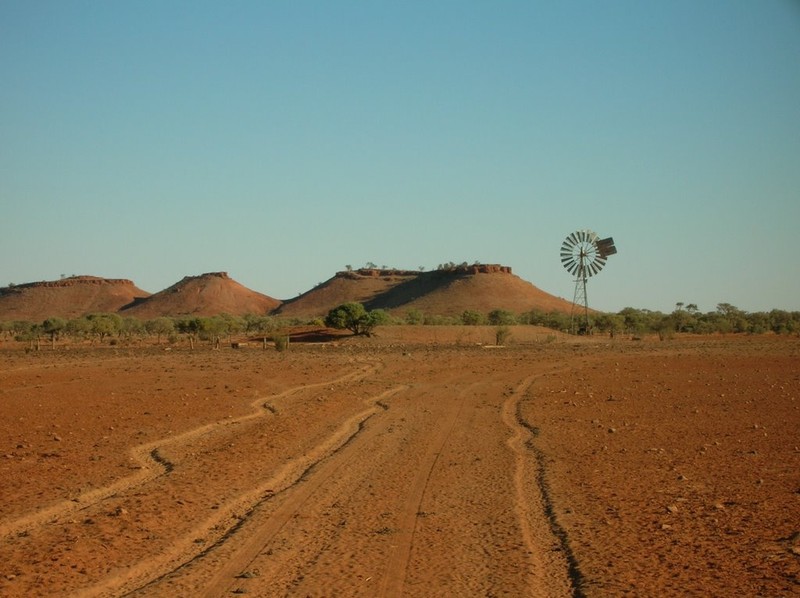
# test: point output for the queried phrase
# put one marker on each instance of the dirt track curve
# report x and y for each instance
(354, 485)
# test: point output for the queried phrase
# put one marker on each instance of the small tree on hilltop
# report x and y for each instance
(355, 318)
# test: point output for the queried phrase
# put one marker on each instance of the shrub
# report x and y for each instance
(502, 334)
(281, 342)
(472, 318)
(502, 317)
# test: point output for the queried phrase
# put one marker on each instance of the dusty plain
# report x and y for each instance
(420, 462)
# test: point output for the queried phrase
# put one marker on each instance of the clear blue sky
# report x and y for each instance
(281, 141)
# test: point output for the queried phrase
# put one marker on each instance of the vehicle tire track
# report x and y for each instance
(150, 463)
(144, 575)
(250, 550)
(553, 568)
(397, 563)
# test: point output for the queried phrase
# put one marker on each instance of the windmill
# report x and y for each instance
(584, 254)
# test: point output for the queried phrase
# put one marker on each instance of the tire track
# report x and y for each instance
(224, 529)
(553, 568)
(314, 476)
(397, 563)
(147, 458)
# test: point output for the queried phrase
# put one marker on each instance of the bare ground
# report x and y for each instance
(419, 463)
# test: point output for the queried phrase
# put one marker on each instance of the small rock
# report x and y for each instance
(672, 508)
(56, 437)
(612, 430)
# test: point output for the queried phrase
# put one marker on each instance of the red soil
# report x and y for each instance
(417, 462)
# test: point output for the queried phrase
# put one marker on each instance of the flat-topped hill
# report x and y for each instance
(67, 298)
(447, 292)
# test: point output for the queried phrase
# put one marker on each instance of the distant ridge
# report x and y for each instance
(67, 298)
(208, 294)
(447, 292)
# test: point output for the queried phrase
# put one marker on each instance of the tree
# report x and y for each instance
(79, 327)
(733, 317)
(103, 325)
(159, 326)
(213, 328)
(634, 319)
(610, 323)
(131, 327)
(502, 317)
(355, 318)
(191, 327)
(27, 331)
(53, 327)
(471, 318)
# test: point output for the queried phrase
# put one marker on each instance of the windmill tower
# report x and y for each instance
(584, 254)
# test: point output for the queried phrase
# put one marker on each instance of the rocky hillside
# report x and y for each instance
(448, 292)
(67, 298)
(205, 295)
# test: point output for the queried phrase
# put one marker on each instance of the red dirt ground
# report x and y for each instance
(422, 462)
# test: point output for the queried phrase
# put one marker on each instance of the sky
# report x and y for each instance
(281, 141)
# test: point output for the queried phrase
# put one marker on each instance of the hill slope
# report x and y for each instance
(209, 294)
(67, 298)
(481, 287)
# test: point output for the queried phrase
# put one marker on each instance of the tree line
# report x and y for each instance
(113, 328)
(110, 327)
(685, 318)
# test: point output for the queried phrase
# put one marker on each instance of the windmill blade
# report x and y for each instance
(567, 262)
